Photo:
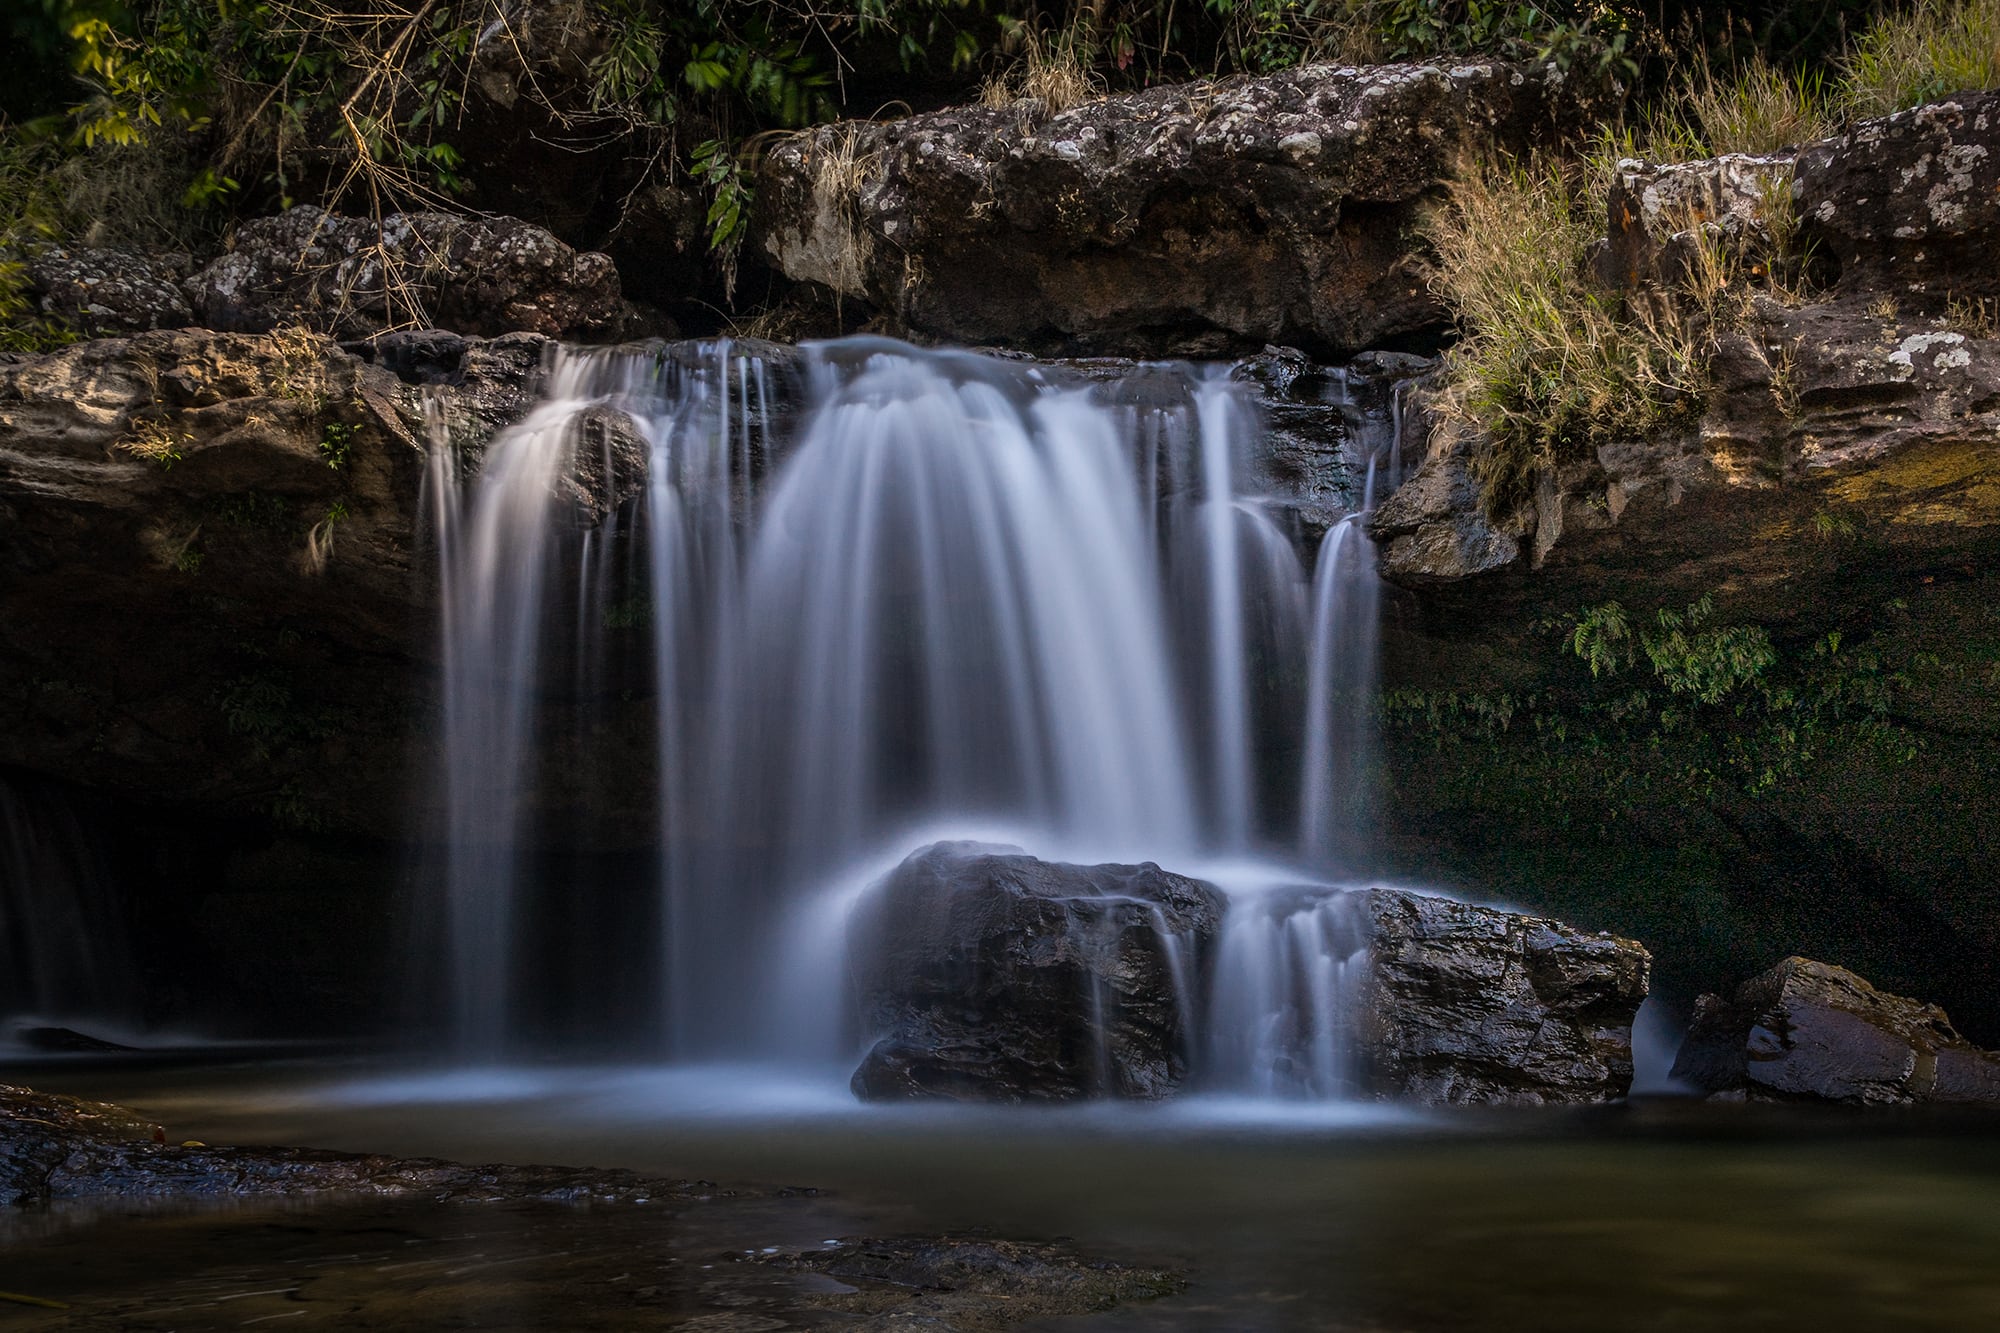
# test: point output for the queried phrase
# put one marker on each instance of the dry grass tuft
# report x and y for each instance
(840, 171)
(1547, 368)
(155, 441)
(299, 367)
(1758, 110)
(1053, 69)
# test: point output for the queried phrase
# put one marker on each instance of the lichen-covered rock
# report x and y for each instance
(994, 976)
(1910, 203)
(110, 291)
(1200, 216)
(345, 276)
(1654, 210)
(1472, 1005)
(1807, 1031)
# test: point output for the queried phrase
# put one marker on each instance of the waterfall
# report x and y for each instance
(64, 953)
(889, 591)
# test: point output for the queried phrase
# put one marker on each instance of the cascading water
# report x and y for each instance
(960, 589)
(63, 946)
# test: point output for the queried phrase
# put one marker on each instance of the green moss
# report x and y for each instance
(1824, 802)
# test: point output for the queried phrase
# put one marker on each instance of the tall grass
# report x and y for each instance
(1054, 69)
(1546, 368)
(1758, 108)
(1931, 50)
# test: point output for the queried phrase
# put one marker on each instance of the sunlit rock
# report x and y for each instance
(1195, 216)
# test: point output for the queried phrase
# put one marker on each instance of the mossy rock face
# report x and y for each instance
(1722, 838)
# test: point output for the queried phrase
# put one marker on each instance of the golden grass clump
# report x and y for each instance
(1547, 368)
(1053, 69)
(1759, 109)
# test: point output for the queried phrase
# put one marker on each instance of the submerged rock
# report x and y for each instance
(1000, 977)
(974, 1279)
(1807, 1031)
(1465, 1004)
(1194, 217)
(54, 1147)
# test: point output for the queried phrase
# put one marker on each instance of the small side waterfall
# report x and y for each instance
(1281, 1018)
(948, 590)
(64, 954)
(1340, 698)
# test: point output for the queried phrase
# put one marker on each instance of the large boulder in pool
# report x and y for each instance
(1812, 1032)
(994, 976)
(1464, 1004)
(998, 977)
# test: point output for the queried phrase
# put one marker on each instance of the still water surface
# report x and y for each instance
(1657, 1216)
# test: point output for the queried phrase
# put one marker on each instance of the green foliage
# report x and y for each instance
(262, 709)
(1598, 36)
(336, 444)
(254, 510)
(1688, 655)
(1678, 708)
(730, 196)
(629, 613)
(29, 218)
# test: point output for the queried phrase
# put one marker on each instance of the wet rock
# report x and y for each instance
(54, 1147)
(1654, 210)
(1435, 526)
(1195, 217)
(1808, 1031)
(1473, 1005)
(110, 291)
(35, 1037)
(344, 276)
(165, 489)
(984, 968)
(1910, 203)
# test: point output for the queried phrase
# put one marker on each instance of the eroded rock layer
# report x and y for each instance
(1197, 216)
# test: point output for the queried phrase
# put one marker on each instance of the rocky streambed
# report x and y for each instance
(381, 1240)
